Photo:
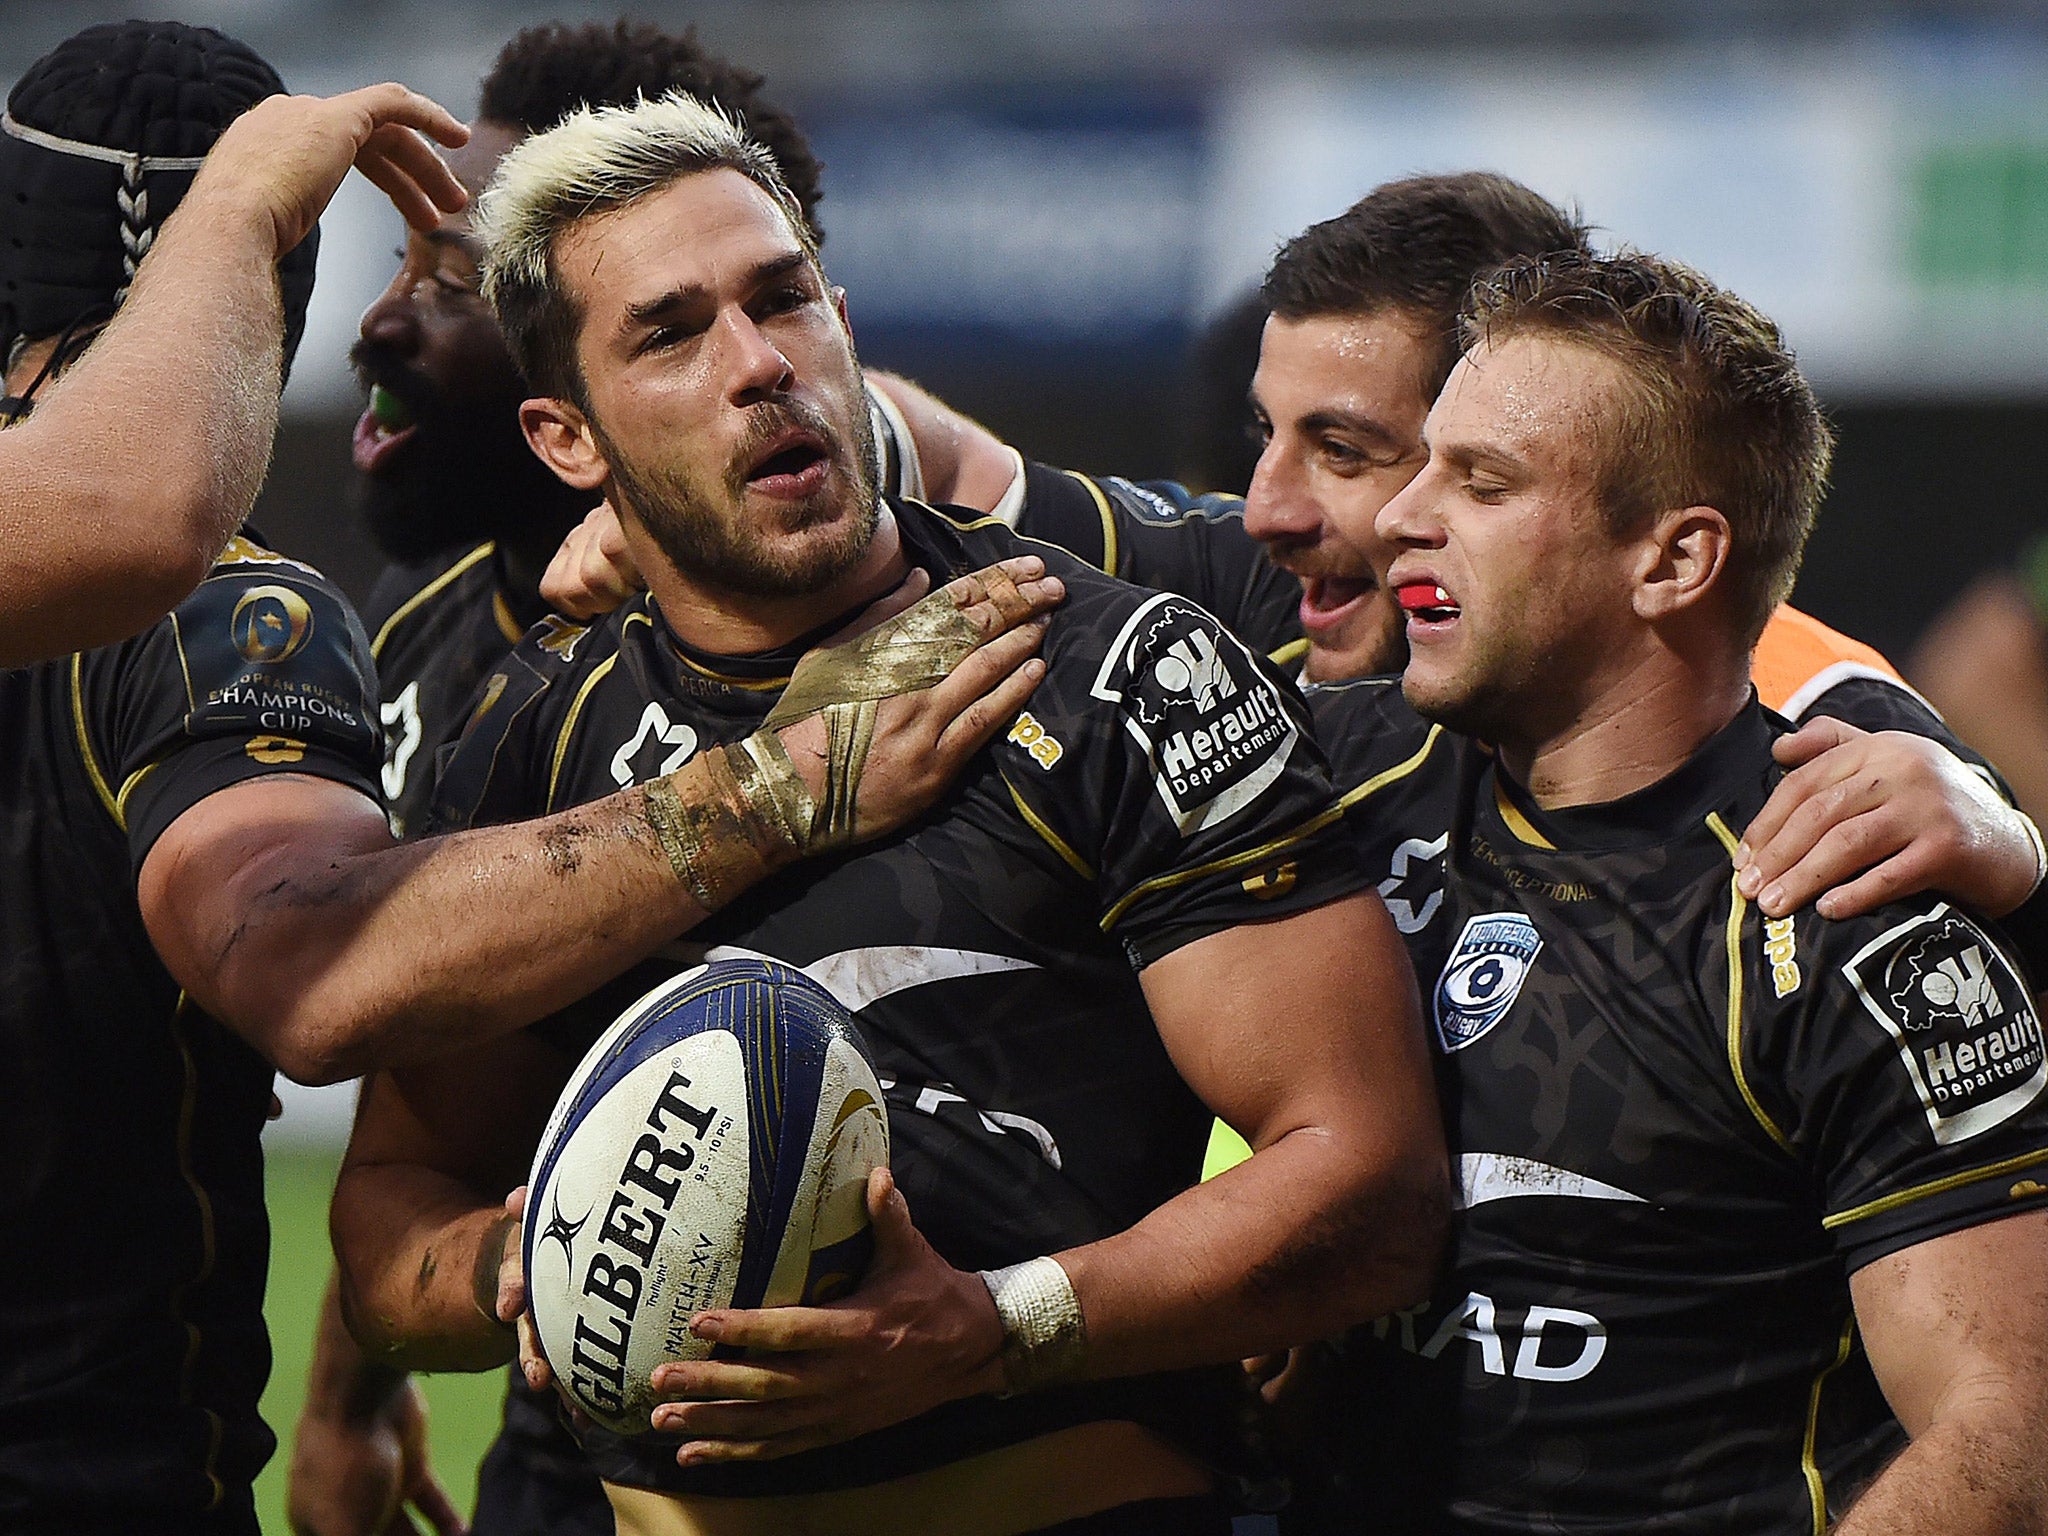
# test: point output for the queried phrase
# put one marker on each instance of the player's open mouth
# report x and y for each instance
(795, 466)
(1327, 601)
(1427, 605)
(382, 429)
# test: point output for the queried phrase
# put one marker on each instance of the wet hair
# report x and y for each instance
(547, 72)
(102, 138)
(596, 161)
(1417, 246)
(1715, 411)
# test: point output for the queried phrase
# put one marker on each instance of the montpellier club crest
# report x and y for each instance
(1484, 976)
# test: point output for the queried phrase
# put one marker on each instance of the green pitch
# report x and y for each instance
(462, 1410)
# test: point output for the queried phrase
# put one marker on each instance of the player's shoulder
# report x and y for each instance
(415, 596)
(266, 609)
(1798, 660)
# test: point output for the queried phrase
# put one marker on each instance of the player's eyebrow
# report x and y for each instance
(459, 239)
(1334, 419)
(1472, 454)
(681, 300)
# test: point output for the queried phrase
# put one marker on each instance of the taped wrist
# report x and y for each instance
(845, 684)
(739, 821)
(1045, 1339)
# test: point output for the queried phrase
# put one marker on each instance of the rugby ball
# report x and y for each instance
(712, 1150)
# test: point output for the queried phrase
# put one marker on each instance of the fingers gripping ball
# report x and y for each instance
(712, 1150)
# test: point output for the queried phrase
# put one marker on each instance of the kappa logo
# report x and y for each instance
(1484, 976)
(1414, 887)
(1214, 727)
(1961, 1018)
(654, 727)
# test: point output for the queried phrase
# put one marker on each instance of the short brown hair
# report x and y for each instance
(1417, 245)
(1717, 413)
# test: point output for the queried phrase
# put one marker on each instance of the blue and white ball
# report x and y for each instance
(712, 1150)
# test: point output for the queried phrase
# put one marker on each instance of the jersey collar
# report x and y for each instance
(1734, 765)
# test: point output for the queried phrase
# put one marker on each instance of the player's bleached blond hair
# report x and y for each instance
(597, 160)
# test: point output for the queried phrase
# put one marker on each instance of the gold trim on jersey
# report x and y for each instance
(597, 675)
(92, 762)
(1400, 770)
(1258, 855)
(1520, 825)
(508, 626)
(405, 609)
(1052, 839)
(208, 1251)
(1738, 909)
(128, 787)
(743, 684)
(1892, 1202)
(1809, 1461)
(1288, 654)
(1102, 510)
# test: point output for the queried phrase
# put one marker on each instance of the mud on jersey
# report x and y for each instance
(1678, 1127)
(1160, 786)
(130, 1121)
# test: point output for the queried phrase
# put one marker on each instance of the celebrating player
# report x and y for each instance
(1747, 1201)
(1122, 913)
(98, 539)
(202, 884)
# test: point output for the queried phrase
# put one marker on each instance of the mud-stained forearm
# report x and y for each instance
(1317, 1231)
(408, 1243)
(342, 955)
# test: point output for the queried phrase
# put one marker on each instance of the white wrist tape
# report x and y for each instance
(2040, 852)
(1045, 1339)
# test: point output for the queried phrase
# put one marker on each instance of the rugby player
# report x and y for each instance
(1750, 1234)
(1130, 942)
(201, 883)
(98, 541)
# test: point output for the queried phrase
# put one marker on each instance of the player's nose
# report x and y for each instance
(757, 367)
(393, 320)
(1278, 507)
(1409, 518)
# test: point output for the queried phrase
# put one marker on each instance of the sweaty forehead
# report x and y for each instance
(1377, 363)
(710, 230)
(1540, 398)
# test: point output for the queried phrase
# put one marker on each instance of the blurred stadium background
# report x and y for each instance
(1035, 205)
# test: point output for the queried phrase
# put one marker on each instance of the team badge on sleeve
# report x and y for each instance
(1484, 976)
(1961, 1018)
(1214, 728)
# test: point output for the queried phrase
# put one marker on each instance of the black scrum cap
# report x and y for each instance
(101, 140)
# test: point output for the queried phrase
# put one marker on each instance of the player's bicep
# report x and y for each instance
(1304, 1022)
(1960, 1321)
(205, 877)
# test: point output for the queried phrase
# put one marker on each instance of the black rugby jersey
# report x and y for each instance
(1161, 785)
(132, 1347)
(1161, 535)
(438, 626)
(1679, 1127)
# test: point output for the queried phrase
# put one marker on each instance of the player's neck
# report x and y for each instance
(724, 623)
(1639, 727)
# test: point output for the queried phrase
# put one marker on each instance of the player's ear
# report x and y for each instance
(839, 304)
(561, 435)
(1684, 553)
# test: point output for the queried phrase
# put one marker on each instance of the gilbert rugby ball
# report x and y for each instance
(712, 1150)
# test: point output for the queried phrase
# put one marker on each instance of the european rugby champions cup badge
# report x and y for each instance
(1484, 976)
(1213, 726)
(1961, 1018)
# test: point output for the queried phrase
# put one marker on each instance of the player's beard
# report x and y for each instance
(706, 536)
(467, 475)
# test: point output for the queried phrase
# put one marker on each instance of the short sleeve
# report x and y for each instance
(264, 669)
(1910, 1074)
(1178, 771)
(1161, 535)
